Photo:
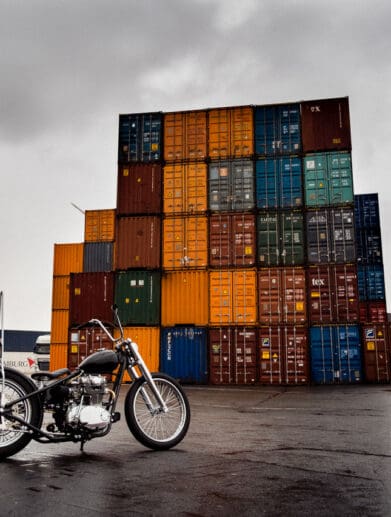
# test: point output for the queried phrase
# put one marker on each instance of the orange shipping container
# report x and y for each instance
(59, 326)
(184, 298)
(185, 188)
(60, 294)
(99, 226)
(58, 355)
(231, 132)
(233, 297)
(148, 341)
(68, 258)
(185, 136)
(185, 242)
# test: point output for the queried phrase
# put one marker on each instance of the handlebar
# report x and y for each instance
(98, 322)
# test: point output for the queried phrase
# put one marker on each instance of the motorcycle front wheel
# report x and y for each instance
(13, 435)
(151, 426)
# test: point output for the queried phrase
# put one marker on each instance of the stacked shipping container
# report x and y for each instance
(234, 247)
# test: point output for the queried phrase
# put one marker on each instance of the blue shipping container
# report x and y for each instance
(366, 208)
(140, 138)
(279, 182)
(369, 246)
(371, 285)
(277, 130)
(335, 354)
(97, 257)
(183, 354)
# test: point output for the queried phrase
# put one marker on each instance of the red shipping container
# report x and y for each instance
(376, 353)
(83, 342)
(91, 296)
(373, 312)
(139, 189)
(232, 355)
(283, 355)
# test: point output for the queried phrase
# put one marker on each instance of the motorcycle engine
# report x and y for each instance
(86, 403)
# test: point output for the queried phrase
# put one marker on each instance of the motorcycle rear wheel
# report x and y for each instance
(13, 437)
(150, 426)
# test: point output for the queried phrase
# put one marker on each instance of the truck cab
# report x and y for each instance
(42, 352)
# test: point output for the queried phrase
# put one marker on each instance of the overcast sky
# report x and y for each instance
(68, 68)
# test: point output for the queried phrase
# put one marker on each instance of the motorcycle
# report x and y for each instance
(82, 402)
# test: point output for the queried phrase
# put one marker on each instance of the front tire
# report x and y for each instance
(13, 437)
(150, 426)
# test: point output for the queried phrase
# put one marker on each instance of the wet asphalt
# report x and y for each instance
(251, 451)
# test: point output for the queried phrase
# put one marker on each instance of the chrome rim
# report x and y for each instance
(11, 432)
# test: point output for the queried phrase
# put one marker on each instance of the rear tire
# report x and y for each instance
(154, 428)
(13, 438)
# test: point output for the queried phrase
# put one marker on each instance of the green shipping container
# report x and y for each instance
(280, 238)
(328, 179)
(137, 295)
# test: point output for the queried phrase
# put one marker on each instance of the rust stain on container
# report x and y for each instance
(59, 326)
(185, 242)
(138, 242)
(58, 355)
(91, 296)
(139, 189)
(185, 188)
(184, 298)
(60, 294)
(376, 353)
(99, 225)
(185, 136)
(231, 132)
(68, 258)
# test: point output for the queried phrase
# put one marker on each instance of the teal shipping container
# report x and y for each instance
(140, 137)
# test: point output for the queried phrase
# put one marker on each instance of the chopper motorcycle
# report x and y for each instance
(82, 402)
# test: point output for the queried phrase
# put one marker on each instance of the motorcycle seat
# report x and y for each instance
(49, 376)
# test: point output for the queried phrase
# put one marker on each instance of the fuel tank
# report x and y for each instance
(103, 361)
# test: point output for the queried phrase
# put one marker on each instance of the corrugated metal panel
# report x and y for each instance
(335, 354)
(376, 354)
(232, 240)
(280, 238)
(231, 185)
(185, 136)
(98, 256)
(279, 182)
(331, 235)
(277, 129)
(231, 132)
(283, 355)
(99, 226)
(148, 341)
(138, 242)
(184, 354)
(185, 188)
(232, 355)
(325, 125)
(366, 211)
(84, 342)
(59, 326)
(91, 296)
(333, 294)
(373, 312)
(328, 179)
(140, 137)
(282, 296)
(68, 258)
(58, 355)
(137, 295)
(233, 297)
(60, 292)
(139, 189)
(371, 285)
(369, 246)
(185, 242)
(184, 298)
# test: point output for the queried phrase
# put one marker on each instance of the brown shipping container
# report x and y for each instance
(283, 355)
(376, 353)
(59, 326)
(185, 188)
(184, 298)
(282, 296)
(233, 298)
(60, 294)
(185, 136)
(373, 312)
(231, 133)
(68, 258)
(138, 242)
(185, 242)
(85, 341)
(99, 226)
(232, 355)
(333, 294)
(232, 240)
(91, 296)
(58, 355)
(325, 125)
(139, 189)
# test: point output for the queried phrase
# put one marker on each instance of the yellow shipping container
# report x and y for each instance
(99, 225)
(68, 258)
(185, 242)
(184, 298)
(231, 133)
(148, 341)
(58, 355)
(185, 136)
(185, 188)
(60, 294)
(233, 297)
(59, 326)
